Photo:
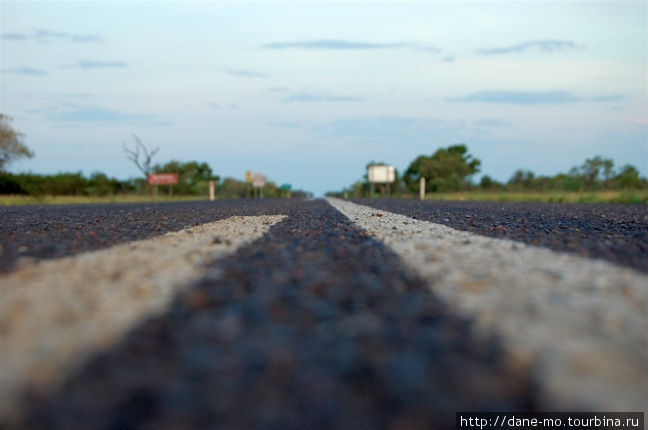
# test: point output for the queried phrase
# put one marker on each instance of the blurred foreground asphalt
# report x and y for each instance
(314, 325)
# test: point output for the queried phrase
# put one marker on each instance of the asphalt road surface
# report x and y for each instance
(317, 314)
(618, 233)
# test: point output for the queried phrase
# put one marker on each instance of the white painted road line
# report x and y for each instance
(581, 324)
(55, 313)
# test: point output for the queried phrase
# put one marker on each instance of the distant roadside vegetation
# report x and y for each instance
(75, 187)
(449, 171)
(193, 181)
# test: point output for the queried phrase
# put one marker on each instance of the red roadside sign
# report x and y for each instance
(163, 178)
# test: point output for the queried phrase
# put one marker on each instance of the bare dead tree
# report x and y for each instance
(11, 143)
(147, 155)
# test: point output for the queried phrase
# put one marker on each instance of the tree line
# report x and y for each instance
(193, 180)
(451, 169)
(193, 176)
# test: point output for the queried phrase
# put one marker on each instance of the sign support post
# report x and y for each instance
(258, 182)
(249, 190)
(156, 179)
(380, 174)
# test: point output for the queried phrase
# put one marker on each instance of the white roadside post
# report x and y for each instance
(212, 194)
(422, 189)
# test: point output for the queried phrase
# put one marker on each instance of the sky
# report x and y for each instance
(308, 93)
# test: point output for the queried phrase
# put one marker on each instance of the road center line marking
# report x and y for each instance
(55, 313)
(580, 323)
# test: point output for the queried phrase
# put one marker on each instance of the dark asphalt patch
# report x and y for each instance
(313, 326)
(617, 233)
(58, 231)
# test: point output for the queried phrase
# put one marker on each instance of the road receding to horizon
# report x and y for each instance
(52, 320)
(29, 233)
(555, 310)
(304, 314)
(612, 232)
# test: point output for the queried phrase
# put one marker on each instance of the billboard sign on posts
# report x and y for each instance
(258, 180)
(381, 174)
(163, 178)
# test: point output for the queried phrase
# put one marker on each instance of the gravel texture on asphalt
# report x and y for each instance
(56, 231)
(315, 325)
(54, 313)
(617, 233)
(579, 323)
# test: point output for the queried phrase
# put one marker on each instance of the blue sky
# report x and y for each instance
(308, 93)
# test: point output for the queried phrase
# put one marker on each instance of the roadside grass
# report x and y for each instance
(633, 196)
(19, 200)
(609, 196)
